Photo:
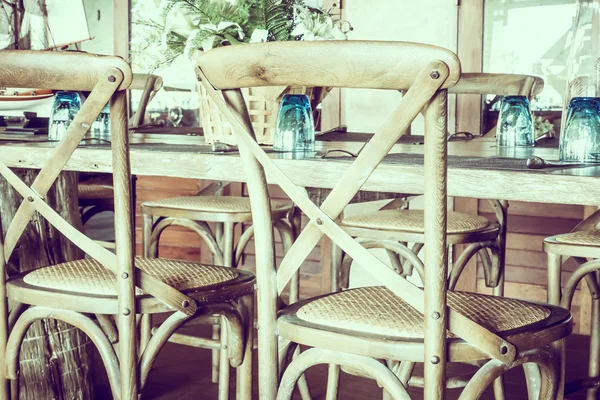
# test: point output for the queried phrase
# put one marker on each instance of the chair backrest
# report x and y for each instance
(498, 84)
(107, 78)
(150, 85)
(425, 73)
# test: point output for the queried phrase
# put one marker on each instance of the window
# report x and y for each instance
(530, 37)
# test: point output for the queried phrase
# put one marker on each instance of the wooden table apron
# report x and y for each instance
(560, 186)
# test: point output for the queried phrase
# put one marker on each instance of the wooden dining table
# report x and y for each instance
(476, 168)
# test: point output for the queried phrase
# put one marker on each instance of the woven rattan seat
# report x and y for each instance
(91, 191)
(413, 221)
(226, 204)
(585, 238)
(89, 276)
(376, 310)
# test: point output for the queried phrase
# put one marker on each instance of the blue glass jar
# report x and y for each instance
(66, 105)
(515, 124)
(580, 138)
(295, 129)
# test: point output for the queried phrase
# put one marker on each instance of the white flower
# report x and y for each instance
(209, 41)
(315, 26)
(259, 36)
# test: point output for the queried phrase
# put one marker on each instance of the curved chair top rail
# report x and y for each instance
(45, 69)
(150, 84)
(499, 84)
(353, 64)
(141, 81)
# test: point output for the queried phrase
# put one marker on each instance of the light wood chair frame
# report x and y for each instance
(221, 243)
(587, 258)
(492, 238)
(426, 72)
(488, 243)
(127, 366)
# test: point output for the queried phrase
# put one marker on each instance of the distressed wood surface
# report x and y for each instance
(55, 357)
(559, 186)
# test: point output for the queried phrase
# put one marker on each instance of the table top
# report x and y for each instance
(476, 168)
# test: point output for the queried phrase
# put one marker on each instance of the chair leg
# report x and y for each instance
(145, 331)
(244, 371)
(499, 393)
(594, 365)
(146, 234)
(336, 268)
(227, 250)
(4, 383)
(554, 268)
(554, 295)
(287, 239)
(146, 323)
(224, 368)
(333, 374)
(333, 382)
(533, 379)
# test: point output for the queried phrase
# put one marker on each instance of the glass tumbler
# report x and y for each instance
(295, 129)
(66, 105)
(580, 127)
(580, 137)
(101, 126)
(515, 124)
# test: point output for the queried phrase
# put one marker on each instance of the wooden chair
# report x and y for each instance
(397, 321)
(109, 284)
(225, 212)
(583, 245)
(394, 225)
(96, 193)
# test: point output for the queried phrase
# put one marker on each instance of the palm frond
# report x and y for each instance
(272, 15)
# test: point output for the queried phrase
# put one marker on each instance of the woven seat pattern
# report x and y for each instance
(94, 191)
(228, 204)
(413, 221)
(585, 238)
(378, 311)
(89, 276)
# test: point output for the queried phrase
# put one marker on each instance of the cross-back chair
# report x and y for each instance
(399, 230)
(211, 206)
(395, 225)
(108, 284)
(582, 244)
(397, 320)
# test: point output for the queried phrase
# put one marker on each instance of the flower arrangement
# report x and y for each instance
(183, 26)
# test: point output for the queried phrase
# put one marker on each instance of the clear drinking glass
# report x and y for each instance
(580, 130)
(101, 127)
(515, 124)
(66, 105)
(295, 129)
(580, 138)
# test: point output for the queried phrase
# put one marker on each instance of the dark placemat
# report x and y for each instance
(338, 136)
(168, 130)
(189, 148)
(491, 163)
